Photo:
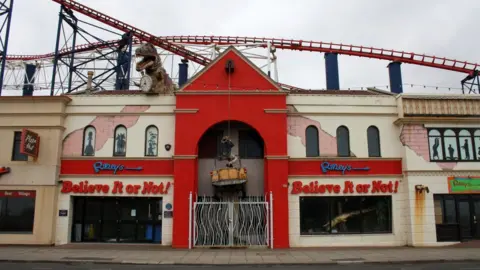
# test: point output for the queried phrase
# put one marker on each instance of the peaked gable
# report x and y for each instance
(246, 75)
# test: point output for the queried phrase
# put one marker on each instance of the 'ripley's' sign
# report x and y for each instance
(377, 186)
(118, 187)
(327, 167)
(104, 166)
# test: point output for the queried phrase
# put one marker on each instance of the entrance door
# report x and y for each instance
(121, 219)
(476, 216)
(229, 224)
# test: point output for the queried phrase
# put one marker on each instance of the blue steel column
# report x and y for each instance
(182, 72)
(5, 42)
(57, 45)
(29, 79)
(331, 70)
(395, 73)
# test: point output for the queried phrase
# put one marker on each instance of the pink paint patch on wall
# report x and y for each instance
(105, 127)
(415, 137)
(297, 126)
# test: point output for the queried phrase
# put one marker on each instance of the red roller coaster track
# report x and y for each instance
(169, 43)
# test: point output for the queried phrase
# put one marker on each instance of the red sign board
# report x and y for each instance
(17, 193)
(147, 188)
(4, 170)
(30, 143)
(348, 187)
(348, 167)
(116, 167)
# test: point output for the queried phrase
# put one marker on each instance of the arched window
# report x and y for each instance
(311, 141)
(476, 138)
(373, 140)
(151, 141)
(120, 141)
(435, 145)
(450, 144)
(343, 142)
(89, 136)
(466, 145)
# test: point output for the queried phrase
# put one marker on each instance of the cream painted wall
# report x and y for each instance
(65, 201)
(43, 224)
(421, 214)
(106, 112)
(399, 222)
(357, 113)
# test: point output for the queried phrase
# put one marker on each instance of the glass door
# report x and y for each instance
(92, 222)
(476, 216)
(464, 218)
(109, 220)
(128, 210)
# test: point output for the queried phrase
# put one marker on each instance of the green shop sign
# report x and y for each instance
(464, 185)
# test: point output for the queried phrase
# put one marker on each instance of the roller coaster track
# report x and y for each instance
(170, 43)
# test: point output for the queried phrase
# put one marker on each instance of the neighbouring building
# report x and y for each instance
(31, 139)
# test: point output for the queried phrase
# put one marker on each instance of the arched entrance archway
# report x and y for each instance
(249, 147)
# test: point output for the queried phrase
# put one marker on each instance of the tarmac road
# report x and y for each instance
(90, 266)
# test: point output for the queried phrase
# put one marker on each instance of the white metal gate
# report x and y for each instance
(227, 223)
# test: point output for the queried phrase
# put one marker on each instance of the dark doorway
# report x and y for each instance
(457, 217)
(117, 219)
(248, 146)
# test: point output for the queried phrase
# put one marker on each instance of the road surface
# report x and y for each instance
(90, 266)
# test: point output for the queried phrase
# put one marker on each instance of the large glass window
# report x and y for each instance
(89, 136)
(345, 215)
(16, 155)
(312, 142)
(17, 210)
(120, 142)
(454, 144)
(373, 141)
(343, 142)
(151, 141)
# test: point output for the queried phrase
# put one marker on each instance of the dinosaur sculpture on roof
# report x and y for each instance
(151, 65)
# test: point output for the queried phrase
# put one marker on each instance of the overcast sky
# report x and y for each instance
(435, 27)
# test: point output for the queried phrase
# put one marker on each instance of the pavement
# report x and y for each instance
(149, 254)
(90, 266)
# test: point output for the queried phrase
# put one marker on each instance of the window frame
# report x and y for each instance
(378, 142)
(317, 148)
(34, 201)
(476, 157)
(83, 140)
(347, 141)
(18, 141)
(146, 138)
(115, 140)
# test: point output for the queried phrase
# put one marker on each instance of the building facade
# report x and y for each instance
(325, 168)
(31, 134)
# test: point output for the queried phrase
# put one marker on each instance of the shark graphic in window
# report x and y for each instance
(4, 170)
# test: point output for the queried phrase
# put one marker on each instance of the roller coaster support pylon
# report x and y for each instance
(6, 7)
(470, 82)
(65, 50)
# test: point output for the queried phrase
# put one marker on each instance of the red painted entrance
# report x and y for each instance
(247, 96)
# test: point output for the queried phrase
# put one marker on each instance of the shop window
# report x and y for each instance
(89, 136)
(250, 144)
(476, 139)
(451, 144)
(373, 140)
(17, 210)
(434, 139)
(312, 141)
(120, 141)
(16, 155)
(151, 141)
(343, 141)
(345, 215)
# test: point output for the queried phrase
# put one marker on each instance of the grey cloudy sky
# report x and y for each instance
(435, 27)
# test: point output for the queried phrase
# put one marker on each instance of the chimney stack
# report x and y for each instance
(183, 72)
(89, 82)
